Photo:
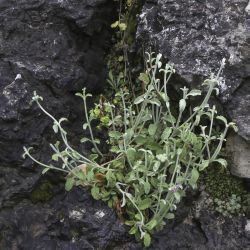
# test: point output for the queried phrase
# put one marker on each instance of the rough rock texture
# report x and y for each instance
(195, 35)
(67, 222)
(56, 48)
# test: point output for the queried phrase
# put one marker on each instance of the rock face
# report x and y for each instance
(195, 36)
(56, 48)
(67, 222)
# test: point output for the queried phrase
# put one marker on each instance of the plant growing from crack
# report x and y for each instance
(154, 156)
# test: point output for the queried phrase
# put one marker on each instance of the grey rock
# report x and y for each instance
(54, 47)
(239, 151)
(69, 221)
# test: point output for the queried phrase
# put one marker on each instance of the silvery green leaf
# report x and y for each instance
(233, 125)
(55, 157)
(147, 187)
(111, 77)
(115, 24)
(84, 139)
(152, 129)
(129, 134)
(88, 95)
(55, 128)
(222, 162)
(184, 90)
(194, 177)
(177, 196)
(139, 99)
(182, 105)
(164, 97)
(80, 95)
(222, 118)
(123, 201)
(122, 26)
(146, 117)
(144, 78)
(152, 224)
(147, 239)
(204, 164)
(69, 183)
(62, 119)
(194, 92)
(217, 91)
(84, 126)
(45, 170)
(131, 154)
(197, 120)
(162, 157)
(97, 141)
(196, 109)
(169, 216)
(179, 151)
(156, 166)
(115, 134)
(166, 133)
(159, 64)
(159, 56)
(155, 102)
(144, 204)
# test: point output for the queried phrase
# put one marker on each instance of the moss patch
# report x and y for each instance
(227, 192)
(42, 192)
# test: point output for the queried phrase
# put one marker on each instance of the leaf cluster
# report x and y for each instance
(154, 155)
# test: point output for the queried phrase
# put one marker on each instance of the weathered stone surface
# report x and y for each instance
(195, 36)
(56, 48)
(75, 221)
(239, 150)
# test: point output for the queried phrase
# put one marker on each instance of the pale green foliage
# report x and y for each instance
(230, 207)
(155, 156)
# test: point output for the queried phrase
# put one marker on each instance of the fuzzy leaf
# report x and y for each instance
(222, 118)
(45, 170)
(194, 92)
(144, 78)
(69, 183)
(170, 216)
(146, 203)
(139, 99)
(55, 128)
(146, 187)
(152, 129)
(182, 105)
(147, 240)
(204, 164)
(194, 177)
(222, 162)
(122, 26)
(177, 196)
(131, 154)
(84, 126)
(162, 157)
(95, 192)
(166, 133)
(152, 224)
(115, 24)
(115, 134)
(133, 230)
(155, 102)
(84, 139)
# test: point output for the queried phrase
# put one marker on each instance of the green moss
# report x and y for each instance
(227, 191)
(42, 192)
